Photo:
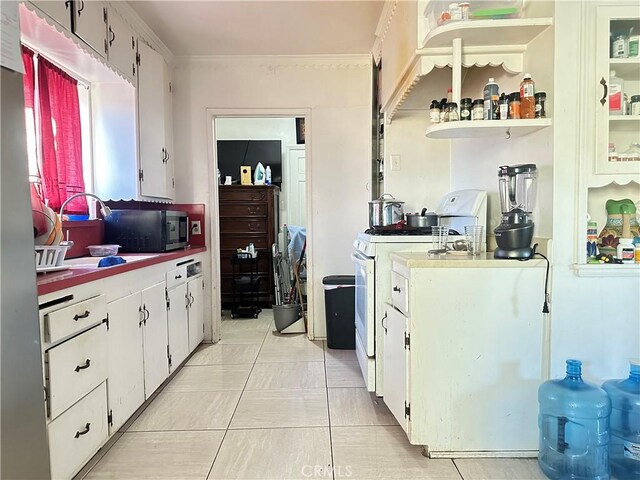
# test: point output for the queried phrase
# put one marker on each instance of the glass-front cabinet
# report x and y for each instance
(618, 72)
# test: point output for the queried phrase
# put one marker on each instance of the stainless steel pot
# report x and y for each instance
(384, 212)
(422, 220)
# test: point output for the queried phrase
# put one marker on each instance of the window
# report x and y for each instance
(56, 106)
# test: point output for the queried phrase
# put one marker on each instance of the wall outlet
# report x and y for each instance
(395, 162)
(195, 227)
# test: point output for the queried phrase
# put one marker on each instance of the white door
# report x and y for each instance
(294, 186)
(395, 363)
(178, 325)
(58, 10)
(90, 24)
(153, 181)
(125, 383)
(155, 337)
(122, 45)
(195, 290)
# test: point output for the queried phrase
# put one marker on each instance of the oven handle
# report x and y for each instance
(357, 257)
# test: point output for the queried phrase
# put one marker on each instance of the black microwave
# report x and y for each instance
(147, 230)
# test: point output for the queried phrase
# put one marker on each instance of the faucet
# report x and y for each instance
(104, 210)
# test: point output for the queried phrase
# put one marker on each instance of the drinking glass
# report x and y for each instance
(474, 236)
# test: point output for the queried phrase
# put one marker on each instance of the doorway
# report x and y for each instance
(252, 129)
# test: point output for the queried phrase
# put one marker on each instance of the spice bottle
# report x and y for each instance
(449, 95)
(514, 105)
(503, 107)
(635, 105)
(443, 102)
(541, 98)
(465, 109)
(626, 250)
(527, 99)
(434, 111)
(491, 94)
(637, 253)
(464, 10)
(477, 109)
(451, 112)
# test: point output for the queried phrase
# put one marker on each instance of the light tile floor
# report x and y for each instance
(259, 405)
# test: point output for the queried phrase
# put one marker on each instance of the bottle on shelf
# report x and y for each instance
(449, 95)
(574, 427)
(616, 94)
(624, 446)
(434, 111)
(503, 103)
(491, 95)
(527, 97)
(267, 175)
(514, 105)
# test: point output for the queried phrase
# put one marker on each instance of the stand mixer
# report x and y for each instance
(517, 189)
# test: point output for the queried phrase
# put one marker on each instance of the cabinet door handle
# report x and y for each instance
(603, 100)
(81, 7)
(146, 314)
(83, 315)
(168, 157)
(382, 322)
(66, 4)
(87, 427)
(396, 288)
(113, 36)
(87, 364)
(191, 299)
(164, 155)
(177, 277)
(143, 316)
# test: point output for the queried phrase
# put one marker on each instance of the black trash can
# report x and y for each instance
(340, 311)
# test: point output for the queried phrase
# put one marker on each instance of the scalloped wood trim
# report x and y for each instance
(388, 11)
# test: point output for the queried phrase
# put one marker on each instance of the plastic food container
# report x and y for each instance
(103, 250)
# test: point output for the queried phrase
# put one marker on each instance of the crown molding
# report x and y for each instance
(388, 11)
(282, 61)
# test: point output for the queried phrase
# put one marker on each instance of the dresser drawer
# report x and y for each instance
(243, 210)
(69, 320)
(400, 292)
(245, 194)
(234, 241)
(243, 225)
(75, 367)
(176, 277)
(77, 434)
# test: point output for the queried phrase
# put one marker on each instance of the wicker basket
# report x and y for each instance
(48, 256)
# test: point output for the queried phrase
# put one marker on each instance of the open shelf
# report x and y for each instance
(605, 270)
(624, 118)
(478, 33)
(487, 128)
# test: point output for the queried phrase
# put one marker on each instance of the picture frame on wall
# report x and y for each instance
(300, 131)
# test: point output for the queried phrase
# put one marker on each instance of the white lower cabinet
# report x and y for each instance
(195, 307)
(77, 434)
(461, 374)
(138, 362)
(178, 325)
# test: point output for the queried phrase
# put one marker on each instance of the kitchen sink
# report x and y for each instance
(92, 262)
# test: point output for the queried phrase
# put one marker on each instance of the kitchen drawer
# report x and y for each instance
(400, 292)
(235, 241)
(243, 210)
(69, 320)
(241, 195)
(77, 434)
(243, 225)
(75, 367)
(176, 277)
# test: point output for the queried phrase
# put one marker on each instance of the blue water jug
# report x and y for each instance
(574, 428)
(624, 447)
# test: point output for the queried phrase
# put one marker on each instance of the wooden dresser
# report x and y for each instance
(248, 214)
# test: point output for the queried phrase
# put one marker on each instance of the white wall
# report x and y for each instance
(337, 90)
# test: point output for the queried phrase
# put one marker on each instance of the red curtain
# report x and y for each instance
(61, 139)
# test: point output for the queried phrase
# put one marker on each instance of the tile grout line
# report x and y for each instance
(236, 407)
(326, 387)
(453, 460)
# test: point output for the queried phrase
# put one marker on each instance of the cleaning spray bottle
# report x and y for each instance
(267, 173)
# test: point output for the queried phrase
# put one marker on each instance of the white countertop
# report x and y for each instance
(460, 260)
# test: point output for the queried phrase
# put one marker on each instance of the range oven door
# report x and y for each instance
(365, 300)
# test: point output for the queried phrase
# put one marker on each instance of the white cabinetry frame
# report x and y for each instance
(90, 24)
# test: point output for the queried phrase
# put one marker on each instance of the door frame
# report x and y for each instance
(213, 203)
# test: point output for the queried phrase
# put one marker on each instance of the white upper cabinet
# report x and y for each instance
(90, 24)
(58, 10)
(151, 122)
(122, 45)
(168, 132)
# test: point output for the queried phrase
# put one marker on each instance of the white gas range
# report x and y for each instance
(373, 274)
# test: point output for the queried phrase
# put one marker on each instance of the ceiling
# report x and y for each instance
(276, 27)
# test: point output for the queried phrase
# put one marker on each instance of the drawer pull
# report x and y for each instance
(253, 227)
(87, 427)
(396, 289)
(84, 315)
(178, 277)
(87, 364)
